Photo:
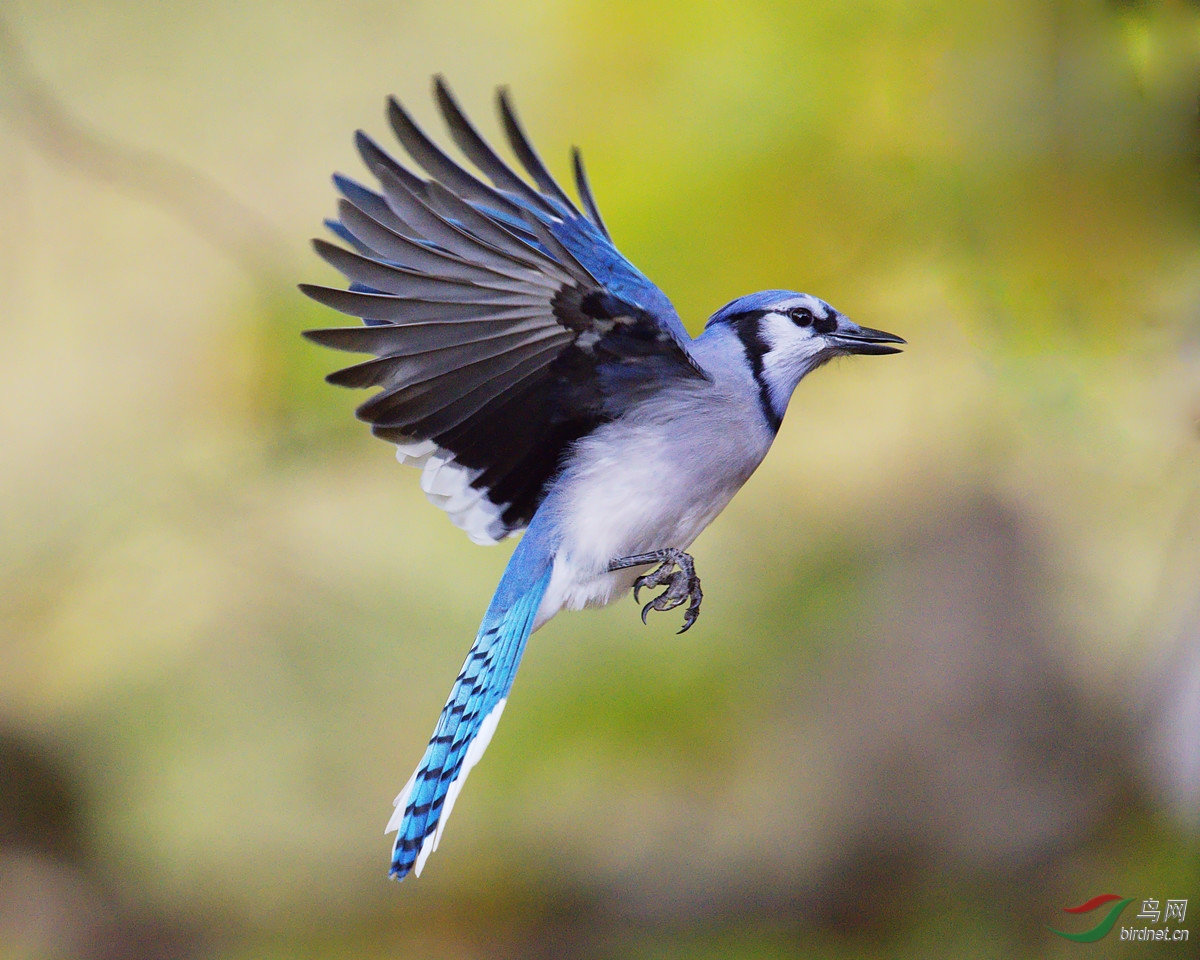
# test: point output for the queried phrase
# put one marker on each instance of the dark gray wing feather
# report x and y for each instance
(527, 155)
(376, 159)
(436, 229)
(390, 308)
(478, 152)
(442, 168)
(404, 281)
(392, 340)
(493, 341)
(585, 193)
(440, 355)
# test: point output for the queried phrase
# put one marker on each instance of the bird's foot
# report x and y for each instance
(682, 583)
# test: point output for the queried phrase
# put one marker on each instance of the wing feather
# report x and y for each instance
(393, 340)
(466, 217)
(445, 170)
(383, 306)
(502, 323)
(527, 155)
(373, 204)
(479, 382)
(436, 420)
(396, 248)
(403, 281)
(376, 159)
(585, 193)
(395, 370)
(477, 150)
(437, 229)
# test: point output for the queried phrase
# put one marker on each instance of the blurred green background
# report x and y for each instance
(947, 681)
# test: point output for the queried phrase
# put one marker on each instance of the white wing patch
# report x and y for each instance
(415, 454)
(448, 486)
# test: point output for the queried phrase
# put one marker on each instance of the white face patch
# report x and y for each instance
(794, 350)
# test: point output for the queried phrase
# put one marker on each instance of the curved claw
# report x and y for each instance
(664, 601)
(682, 584)
(693, 613)
(693, 610)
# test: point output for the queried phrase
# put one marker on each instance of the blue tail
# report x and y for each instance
(467, 721)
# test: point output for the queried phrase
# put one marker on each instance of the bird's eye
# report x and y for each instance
(801, 316)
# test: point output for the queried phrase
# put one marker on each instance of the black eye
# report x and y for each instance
(801, 316)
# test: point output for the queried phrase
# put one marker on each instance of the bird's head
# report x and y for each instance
(787, 334)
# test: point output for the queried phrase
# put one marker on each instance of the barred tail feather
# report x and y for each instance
(463, 731)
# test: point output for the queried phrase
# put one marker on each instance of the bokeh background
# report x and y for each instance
(947, 681)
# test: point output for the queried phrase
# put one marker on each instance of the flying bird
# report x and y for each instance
(542, 384)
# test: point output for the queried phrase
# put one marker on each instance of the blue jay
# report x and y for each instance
(541, 383)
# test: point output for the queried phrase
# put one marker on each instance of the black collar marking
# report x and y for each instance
(746, 325)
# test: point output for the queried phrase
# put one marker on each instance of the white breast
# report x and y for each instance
(652, 480)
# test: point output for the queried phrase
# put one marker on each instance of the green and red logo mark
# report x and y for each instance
(1104, 926)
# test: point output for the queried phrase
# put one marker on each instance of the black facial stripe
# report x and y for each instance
(748, 330)
(825, 325)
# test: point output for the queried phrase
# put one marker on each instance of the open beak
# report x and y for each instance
(851, 338)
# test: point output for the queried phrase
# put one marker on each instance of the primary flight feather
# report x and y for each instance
(541, 383)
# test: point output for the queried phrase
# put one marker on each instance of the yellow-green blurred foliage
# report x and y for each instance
(947, 681)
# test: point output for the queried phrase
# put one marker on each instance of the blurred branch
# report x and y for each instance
(174, 187)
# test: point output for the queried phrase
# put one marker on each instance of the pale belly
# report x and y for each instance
(638, 491)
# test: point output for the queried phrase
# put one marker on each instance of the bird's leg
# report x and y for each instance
(682, 584)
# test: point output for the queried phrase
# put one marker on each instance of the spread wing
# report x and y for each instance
(503, 323)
